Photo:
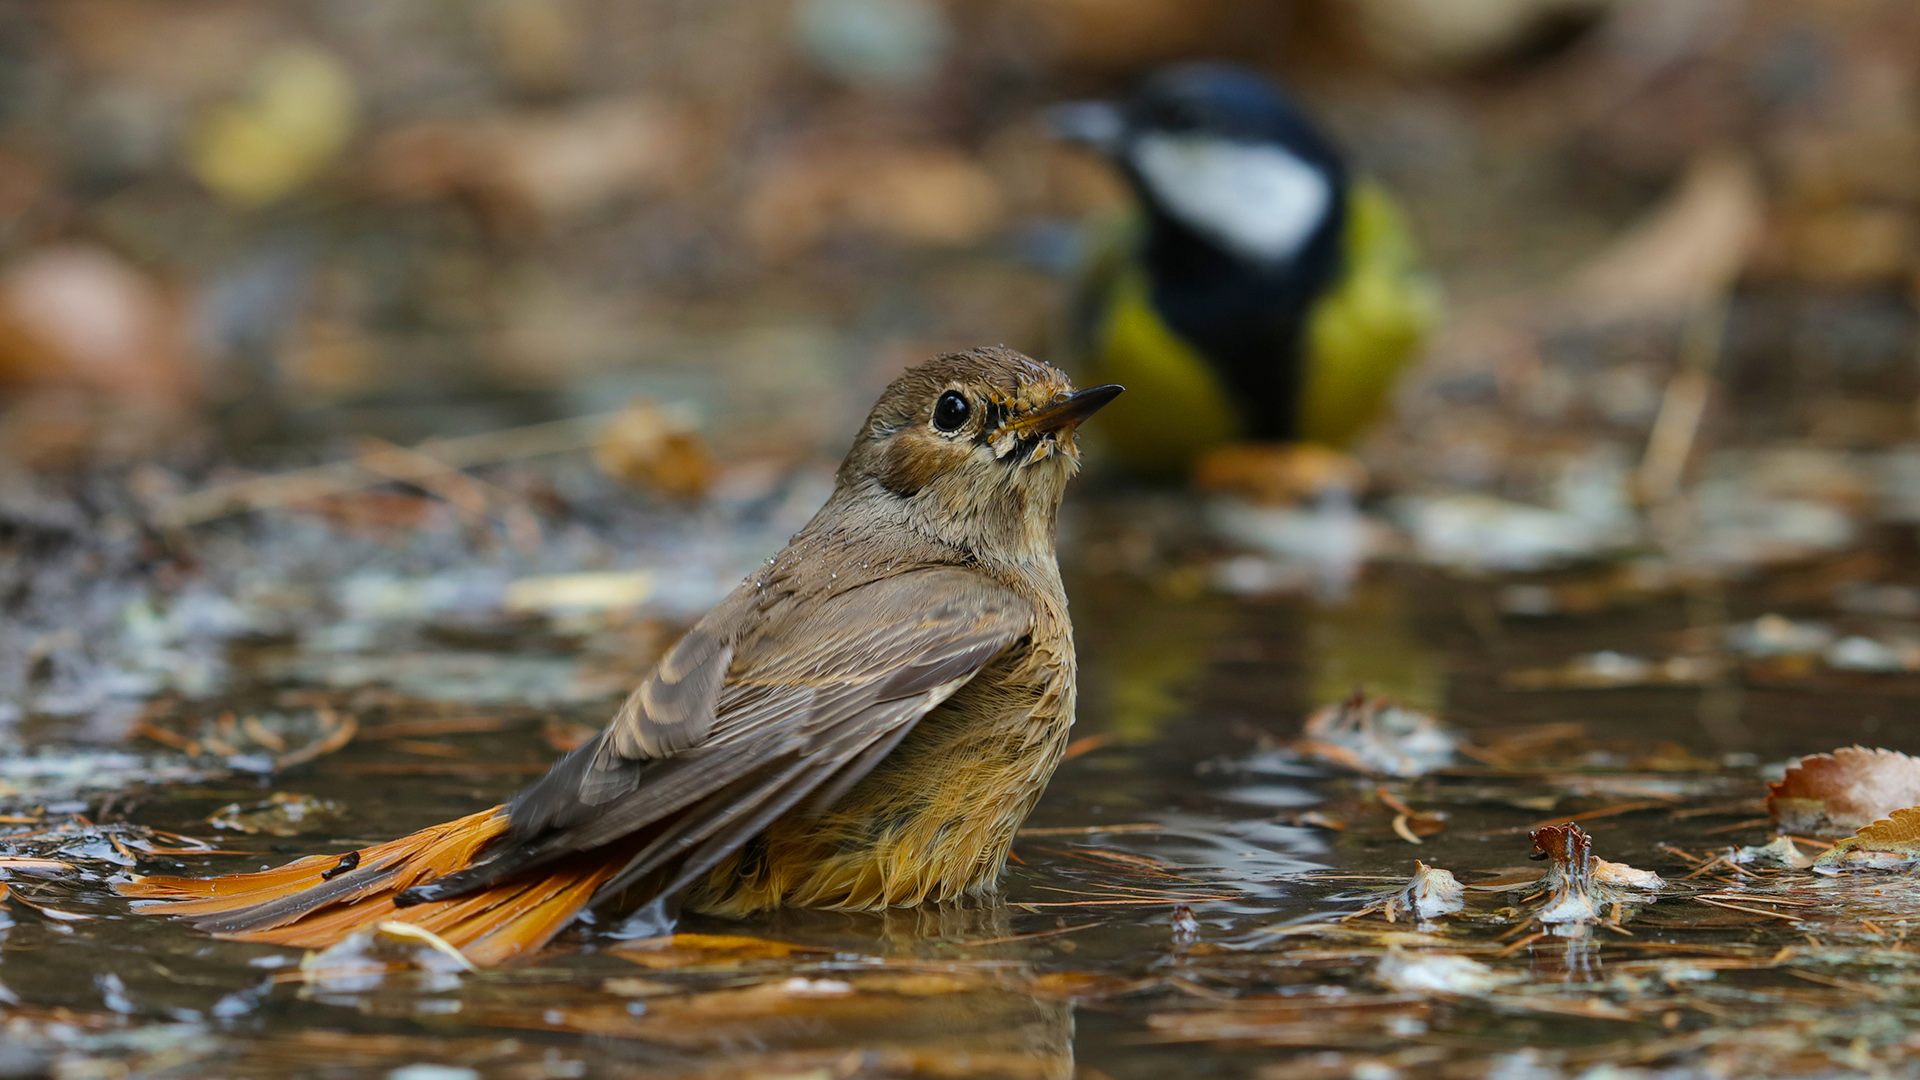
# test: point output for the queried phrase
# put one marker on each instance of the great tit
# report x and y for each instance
(1260, 291)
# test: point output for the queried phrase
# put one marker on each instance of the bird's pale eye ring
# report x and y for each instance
(951, 411)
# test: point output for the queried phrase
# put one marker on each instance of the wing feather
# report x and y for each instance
(813, 696)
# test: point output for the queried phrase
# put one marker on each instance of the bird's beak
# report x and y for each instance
(1096, 125)
(1068, 411)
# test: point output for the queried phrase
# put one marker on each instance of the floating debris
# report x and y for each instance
(1892, 843)
(1438, 973)
(262, 743)
(364, 960)
(1579, 885)
(52, 776)
(1372, 735)
(1777, 635)
(1843, 792)
(284, 813)
(1569, 879)
(1613, 670)
(1623, 876)
(1780, 851)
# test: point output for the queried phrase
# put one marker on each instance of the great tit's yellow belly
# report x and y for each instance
(1176, 408)
(1358, 337)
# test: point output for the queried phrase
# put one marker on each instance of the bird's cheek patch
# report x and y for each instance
(913, 462)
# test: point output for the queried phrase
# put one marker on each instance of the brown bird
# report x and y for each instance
(862, 723)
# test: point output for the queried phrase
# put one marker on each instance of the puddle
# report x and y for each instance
(1190, 895)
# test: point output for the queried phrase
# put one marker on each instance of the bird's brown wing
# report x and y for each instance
(811, 696)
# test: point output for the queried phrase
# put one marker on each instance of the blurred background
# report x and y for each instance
(257, 223)
(243, 238)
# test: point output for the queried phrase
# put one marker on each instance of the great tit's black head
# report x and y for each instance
(977, 446)
(1221, 152)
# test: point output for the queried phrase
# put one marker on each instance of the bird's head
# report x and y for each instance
(1221, 153)
(974, 448)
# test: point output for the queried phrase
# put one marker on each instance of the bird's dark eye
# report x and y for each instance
(951, 411)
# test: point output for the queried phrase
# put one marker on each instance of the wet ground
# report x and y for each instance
(1191, 898)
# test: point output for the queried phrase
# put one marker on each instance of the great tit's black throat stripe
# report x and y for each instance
(1249, 322)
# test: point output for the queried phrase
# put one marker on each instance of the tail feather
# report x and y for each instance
(306, 904)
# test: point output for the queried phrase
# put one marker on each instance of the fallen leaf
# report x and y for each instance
(1845, 791)
(1892, 843)
(656, 448)
(1624, 876)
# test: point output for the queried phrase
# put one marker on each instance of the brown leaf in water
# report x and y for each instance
(1892, 843)
(1845, 791)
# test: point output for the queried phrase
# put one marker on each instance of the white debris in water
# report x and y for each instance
(1320, 548)
(424, 1070)
(1777, 635)
(1437, 973)
(1434, 892)
(1780, 852)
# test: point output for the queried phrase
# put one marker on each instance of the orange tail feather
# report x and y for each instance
(311, 903)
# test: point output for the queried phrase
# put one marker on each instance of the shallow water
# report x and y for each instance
(1182, 797)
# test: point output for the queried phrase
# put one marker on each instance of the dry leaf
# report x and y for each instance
(1892, 843)
(654, 447)
(1838, 793)
(77, 314)
(1624, 876)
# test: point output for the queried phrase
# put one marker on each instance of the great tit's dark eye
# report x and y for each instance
(951, 411)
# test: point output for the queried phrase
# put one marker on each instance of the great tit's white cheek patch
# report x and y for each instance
(1255, 199)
